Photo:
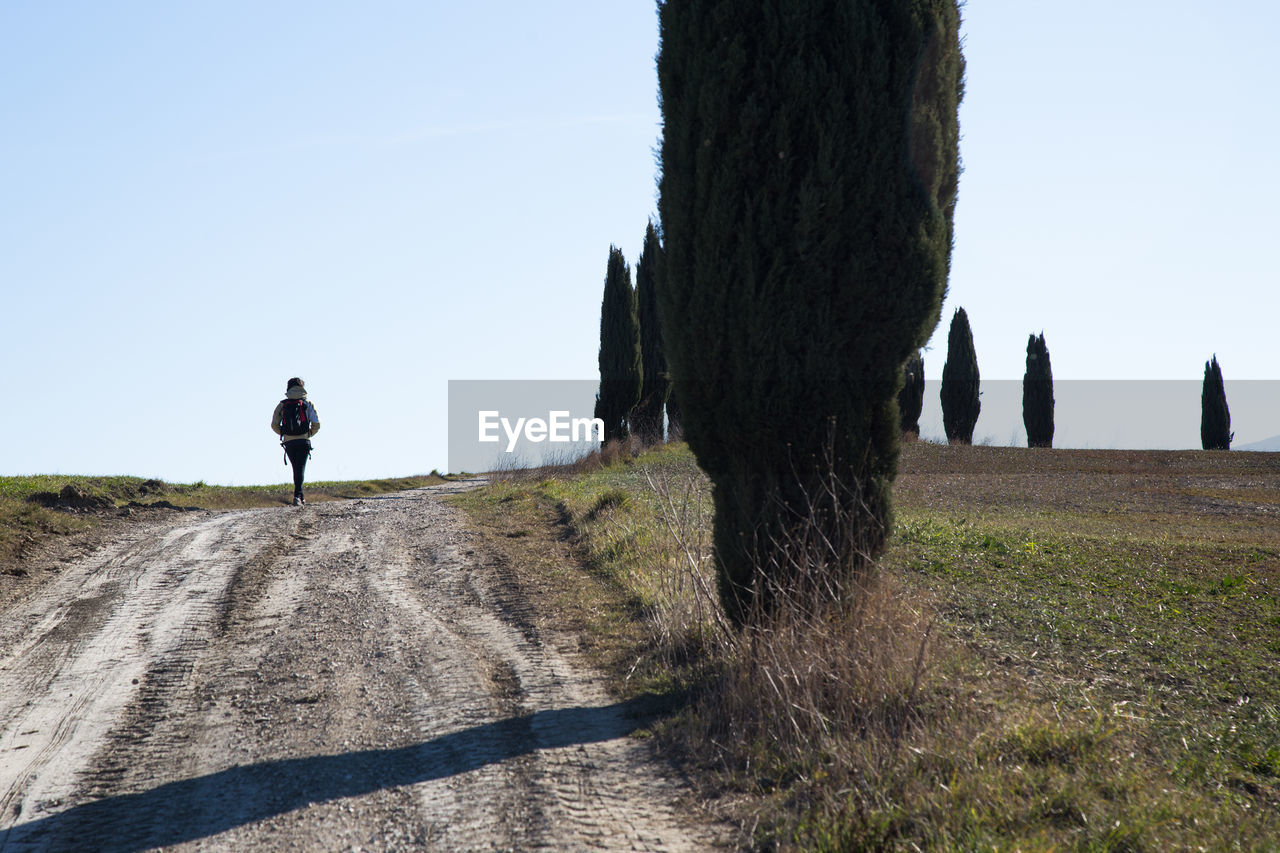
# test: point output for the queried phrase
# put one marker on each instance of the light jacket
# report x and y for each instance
(277, 417)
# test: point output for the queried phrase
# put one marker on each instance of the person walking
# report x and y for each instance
(295, 421)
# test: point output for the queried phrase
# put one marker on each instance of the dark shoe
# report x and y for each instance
(298, 501)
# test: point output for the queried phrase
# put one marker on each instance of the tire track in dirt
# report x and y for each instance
(345, 676)
(86, 642)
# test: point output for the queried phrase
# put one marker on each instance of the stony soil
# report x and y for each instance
(347, 676)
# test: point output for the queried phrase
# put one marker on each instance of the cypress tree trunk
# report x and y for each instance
(961, 397)
(911, 397)
(620, 370)
(656, 386)
(1037, 394)
(1215, 418)
(809, 165)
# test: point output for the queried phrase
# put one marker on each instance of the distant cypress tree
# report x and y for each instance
(647, 421)
(961, 401)
(911, 397)
(1037, 394)
(620, 367)
(1215, 418)
(808, 176)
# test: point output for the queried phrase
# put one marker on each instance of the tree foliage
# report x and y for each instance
(809, 165)
(647, 420)
(961, 395)
(620, 366)
(1037, 394)
(911, 397)
(1215, 418)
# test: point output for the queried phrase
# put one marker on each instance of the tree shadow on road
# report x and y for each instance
(191, 809)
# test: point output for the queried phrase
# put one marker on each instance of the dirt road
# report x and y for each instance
(345, 676)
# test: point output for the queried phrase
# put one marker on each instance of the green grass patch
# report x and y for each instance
(1178, 638)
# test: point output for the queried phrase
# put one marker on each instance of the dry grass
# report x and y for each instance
(611, 453)
(812, 715)
(821, 664)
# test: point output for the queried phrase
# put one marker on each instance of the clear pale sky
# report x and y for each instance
(199, 200)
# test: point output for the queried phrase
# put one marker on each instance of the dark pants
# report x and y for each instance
(298, 450)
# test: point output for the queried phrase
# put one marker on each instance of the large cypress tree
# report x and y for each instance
(961, 401)
(647, 421)
(1037, 394)
(620, 368)
(911, 397)
(1215, 418)
(809, 164)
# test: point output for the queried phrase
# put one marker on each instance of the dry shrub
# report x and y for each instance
(825, 675)
(688, 622)
(818, 713)
(615, 451)
(815, 698)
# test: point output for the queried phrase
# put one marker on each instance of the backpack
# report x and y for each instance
(294, 418)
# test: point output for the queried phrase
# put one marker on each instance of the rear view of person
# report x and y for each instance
(295, 421)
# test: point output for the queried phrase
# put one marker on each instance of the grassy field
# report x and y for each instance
(1068, 650)
(35, 509)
